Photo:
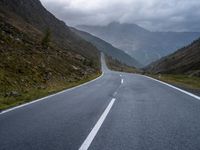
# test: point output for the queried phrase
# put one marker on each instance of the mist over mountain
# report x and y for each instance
(154, 15)
(108, 49)
(143, 45)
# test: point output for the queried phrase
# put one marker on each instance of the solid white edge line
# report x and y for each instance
(97, 126)
(37, 100)
(183, 91)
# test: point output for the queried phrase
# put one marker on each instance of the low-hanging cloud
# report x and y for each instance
(156, 15)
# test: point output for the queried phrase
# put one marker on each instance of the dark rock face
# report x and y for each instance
(33, 12)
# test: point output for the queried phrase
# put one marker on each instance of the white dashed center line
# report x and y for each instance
(97, 126)
(122, 81)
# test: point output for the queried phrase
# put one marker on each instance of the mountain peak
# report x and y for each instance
(126, 26)
(114, 23)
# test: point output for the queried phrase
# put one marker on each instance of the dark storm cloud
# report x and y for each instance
(168, 15)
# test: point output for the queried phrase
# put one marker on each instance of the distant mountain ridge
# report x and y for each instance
(184, 61)
(108, 49)
(143, 45)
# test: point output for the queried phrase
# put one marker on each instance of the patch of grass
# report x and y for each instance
(35, 93)
(32, 67)
(182, 80)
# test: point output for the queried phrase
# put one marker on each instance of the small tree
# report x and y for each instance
(47, 38)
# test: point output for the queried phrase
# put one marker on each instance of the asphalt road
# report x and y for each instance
(118, 111)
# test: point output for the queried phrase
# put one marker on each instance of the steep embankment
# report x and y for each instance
(39, 54)
(181, 68)
(183, 61)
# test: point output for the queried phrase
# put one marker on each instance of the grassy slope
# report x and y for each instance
(28, 70)
(115, 65)
(183, 81)
(35, 93)
(181, 68)
(184, 61)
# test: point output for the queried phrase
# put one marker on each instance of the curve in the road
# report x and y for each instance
(116, 111)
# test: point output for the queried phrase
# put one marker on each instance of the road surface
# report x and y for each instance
(118, 111)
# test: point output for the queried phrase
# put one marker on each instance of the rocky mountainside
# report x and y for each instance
(39, 54)
(141, 44)
(108, 49)
(184, 61)
(32, 12)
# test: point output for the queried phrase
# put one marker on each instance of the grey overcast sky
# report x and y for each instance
(155, 15)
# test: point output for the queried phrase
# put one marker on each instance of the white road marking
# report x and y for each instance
(120, 75)
(183, 91)
(122, 81)
(11, 109)
(96, 128)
